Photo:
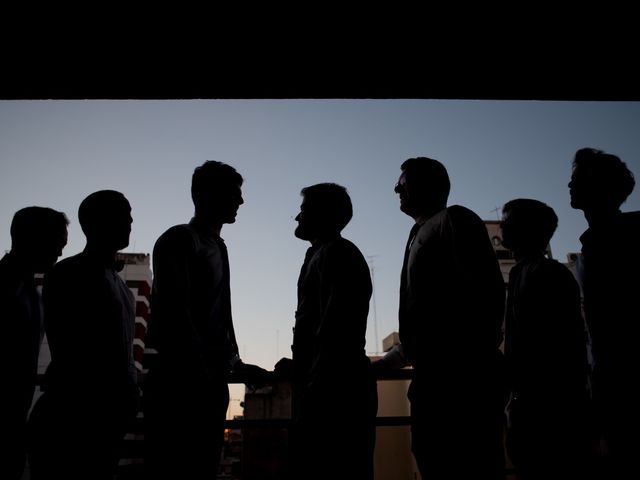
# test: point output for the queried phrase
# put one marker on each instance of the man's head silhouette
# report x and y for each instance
(105, 218)
(38, 235)
(325, 210)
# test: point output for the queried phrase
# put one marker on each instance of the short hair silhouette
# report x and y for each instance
(334, 201)
(32, 223)
(533, 222)
(98, 207)
(606, 172)
(210, 178)
(429, 174)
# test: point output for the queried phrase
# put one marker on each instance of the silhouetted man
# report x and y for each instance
(600, 184)
(38, 235)
(332, 375)
(451, 313)
(186, 394)
(546, 352)
(90, 387)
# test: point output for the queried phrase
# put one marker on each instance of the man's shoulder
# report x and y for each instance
(632, 215)
(341, 247)
(631, 220)
(7, 269)
(181, 234)
(344, 244)
(623, 229)
(548, 269)
(180, 229)
(185, 241)
(74, 262)
(71, 268)
(454, 217)
(10, 280)
(460, 213)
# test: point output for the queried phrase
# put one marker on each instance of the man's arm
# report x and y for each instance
(62, 323)
(394, 359)
(346, 289)
(175, 334)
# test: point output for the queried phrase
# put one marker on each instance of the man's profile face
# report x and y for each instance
(308, 221)
(230, 201)
(221, 203)
(581, 189)
(508, 228)
(404, 194)
(120, 224)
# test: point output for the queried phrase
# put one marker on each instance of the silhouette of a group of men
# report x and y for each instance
(563, 419)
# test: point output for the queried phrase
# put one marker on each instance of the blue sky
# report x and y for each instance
(54, 153)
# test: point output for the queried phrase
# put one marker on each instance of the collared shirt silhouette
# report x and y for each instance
(38, 236)
(191, 300)
(90, 387)
(545, 348)
(450, 316)
(600, 184)
(186, 394)
(334, 289)
(331, 372)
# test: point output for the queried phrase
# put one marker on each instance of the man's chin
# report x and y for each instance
(299, 233)
(406, 209)
(575, 204)
(231, 218)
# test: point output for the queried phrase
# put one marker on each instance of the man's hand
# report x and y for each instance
(393, 360)
(284, 368)
(253, 375)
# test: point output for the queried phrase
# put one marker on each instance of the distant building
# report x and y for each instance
(390, 341)
(137, 275)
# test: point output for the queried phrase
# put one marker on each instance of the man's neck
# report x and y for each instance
(105, 254)
(422, 217)
(598, 217)
(208, 225)
(324, 238)
(520, 255)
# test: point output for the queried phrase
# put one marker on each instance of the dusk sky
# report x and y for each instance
(54, 153)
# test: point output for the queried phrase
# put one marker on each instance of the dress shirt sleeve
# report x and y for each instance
(478, 269)
(345, 293)
(176, 336)
(63, 326)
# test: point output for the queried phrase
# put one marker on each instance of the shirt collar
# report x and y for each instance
(105, 261)
(204, 229)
